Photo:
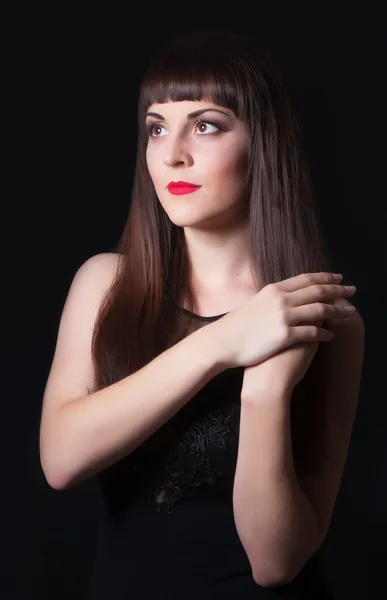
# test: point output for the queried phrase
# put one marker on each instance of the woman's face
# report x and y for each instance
(209, 150)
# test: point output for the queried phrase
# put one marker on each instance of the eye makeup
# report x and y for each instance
(152, 123)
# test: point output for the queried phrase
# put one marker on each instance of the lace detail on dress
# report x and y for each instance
(188, 463)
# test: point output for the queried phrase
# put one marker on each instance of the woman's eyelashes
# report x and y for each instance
(202, 126)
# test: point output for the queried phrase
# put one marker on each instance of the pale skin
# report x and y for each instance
(282, 510)
(213, 154)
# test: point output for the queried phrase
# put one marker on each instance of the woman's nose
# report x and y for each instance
(177, 153)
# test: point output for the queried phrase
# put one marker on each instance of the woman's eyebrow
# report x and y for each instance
(191, 115)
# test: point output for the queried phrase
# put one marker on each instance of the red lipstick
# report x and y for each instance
(182, 187)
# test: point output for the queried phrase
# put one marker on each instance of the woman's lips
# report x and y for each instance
(179, 189)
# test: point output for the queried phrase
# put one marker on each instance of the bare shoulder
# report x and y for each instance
(103, 266)
(345, 349)
(71, 373)
(93, 279)
(347, 346)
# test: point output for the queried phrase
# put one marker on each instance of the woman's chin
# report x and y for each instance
(186, 218)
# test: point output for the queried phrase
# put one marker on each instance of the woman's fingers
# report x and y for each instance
(305, 280)
(318, 293)
(316, 313)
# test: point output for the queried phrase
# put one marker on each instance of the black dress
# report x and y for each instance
(165, 516)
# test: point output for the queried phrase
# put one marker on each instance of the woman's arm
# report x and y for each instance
(274, 518)
(82, 434)
(96, 431)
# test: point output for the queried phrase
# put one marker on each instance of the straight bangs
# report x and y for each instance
(200, 75)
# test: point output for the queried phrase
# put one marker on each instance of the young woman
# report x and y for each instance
(188, 374)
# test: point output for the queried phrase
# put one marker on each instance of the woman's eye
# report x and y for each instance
(201, 127)
(205, 125)
(153, 128)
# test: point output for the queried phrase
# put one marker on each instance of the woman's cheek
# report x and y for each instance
(228, 170)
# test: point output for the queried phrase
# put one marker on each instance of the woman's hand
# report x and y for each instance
(283, 370)
(280, 372)
(278, 316)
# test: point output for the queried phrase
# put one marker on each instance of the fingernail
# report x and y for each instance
(338, 276)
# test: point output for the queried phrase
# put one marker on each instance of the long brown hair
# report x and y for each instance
(139, 310)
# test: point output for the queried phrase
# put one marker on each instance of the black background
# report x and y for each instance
(70, 128)
(16, 8)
